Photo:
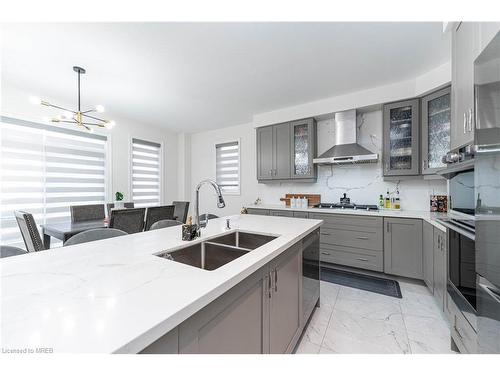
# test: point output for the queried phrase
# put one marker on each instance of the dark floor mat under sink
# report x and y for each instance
(365, 282)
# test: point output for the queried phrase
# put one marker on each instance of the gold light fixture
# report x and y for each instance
(78, 117)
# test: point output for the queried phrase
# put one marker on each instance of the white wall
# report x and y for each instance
(363, 183)
(15, 103)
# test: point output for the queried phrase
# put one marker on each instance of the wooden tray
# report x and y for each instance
(313, 199)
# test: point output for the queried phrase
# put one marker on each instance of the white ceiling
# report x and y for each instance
(194, 76)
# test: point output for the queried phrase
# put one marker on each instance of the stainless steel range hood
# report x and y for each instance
(346, 150)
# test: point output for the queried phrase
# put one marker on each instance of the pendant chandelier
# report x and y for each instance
(78, 117)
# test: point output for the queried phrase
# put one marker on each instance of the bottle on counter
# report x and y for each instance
(305, 203)
(387, 200)
(397, 201)
(381, 201)
(293, 202)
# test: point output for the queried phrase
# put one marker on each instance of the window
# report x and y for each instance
(44, 170)
(228, 167)
(146, 173)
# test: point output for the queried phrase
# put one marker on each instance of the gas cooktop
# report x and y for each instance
(348, 206)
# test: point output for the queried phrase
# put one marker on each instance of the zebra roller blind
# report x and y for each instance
(44, 170)
(146, 173)
(228, 167)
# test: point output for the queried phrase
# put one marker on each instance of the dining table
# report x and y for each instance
(63, 231)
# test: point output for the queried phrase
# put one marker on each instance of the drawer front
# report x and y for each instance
(347, 221)
(353, 257)
(301, 214)
(364, 238)
(281, 213)
(462, 332)
(258, 211)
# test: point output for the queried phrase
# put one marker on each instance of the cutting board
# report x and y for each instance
(313, 198)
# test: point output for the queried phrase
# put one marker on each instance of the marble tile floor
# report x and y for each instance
(353, 321)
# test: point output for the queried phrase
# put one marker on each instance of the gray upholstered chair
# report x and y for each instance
(9, 251)
(29, 231)
(110, 206)
(94, 235)
(181, 210)
(154, 214)
(87, 212)
(130, 220)
(165, 224)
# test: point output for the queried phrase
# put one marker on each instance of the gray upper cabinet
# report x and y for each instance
(436, 118)
(403, 247)
(303, 147)
(286, 151)
(401, 138)
(464, 50)
(265, 150)
(281, 135)
(428, 255)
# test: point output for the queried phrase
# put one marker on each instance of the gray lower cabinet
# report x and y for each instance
(440, 276)
(262, 314)
(300, 214)
(403, 247)
(428, 255)
(282, 213)
(285, 308)
(355, 241)
(258, 211)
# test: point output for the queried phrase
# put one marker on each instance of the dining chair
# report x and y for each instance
(94, 235)
(29, 231)
(154, 214)
(9, 251)
(129, 220)
(110, 206)
(87, 212)
(181, 210)
(165, 224)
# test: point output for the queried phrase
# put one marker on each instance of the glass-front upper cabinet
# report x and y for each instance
(401, 138)
(436, 115)
(303, 146)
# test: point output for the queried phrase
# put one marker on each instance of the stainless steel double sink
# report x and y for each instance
(214, 253)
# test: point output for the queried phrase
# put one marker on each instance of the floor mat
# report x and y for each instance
(365, 282)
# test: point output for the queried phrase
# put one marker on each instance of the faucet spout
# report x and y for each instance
(220, 202)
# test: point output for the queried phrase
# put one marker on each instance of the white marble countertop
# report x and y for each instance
(428, 216)
(114, 295)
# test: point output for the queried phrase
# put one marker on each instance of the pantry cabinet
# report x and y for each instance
(401, 140)
(464, 50)
(285, 151)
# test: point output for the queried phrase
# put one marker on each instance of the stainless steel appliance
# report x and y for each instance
(348, 206)
(487, 194)
(461, 284)
(310, 274)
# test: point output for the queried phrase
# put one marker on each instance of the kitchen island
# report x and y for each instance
(116, 296)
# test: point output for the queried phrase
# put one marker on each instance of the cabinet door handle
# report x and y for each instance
(325, 253)
(269, 284)
(469, 120)
(275, 279)
(271, 172)
(325, 234)
(362, 259)
(362, 238)
(388, 227)
(465, 123)
(439, 242)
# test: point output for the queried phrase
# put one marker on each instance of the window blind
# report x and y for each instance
(146, 173)
(228, 167)
(44, 170)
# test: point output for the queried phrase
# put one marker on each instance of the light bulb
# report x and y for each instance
(110, 124)
(99, 108)
(35, 100)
